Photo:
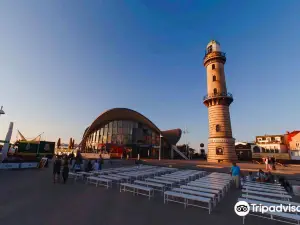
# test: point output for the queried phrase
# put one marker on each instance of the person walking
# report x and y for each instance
(236, 173)
(65, 173)
(270, 163)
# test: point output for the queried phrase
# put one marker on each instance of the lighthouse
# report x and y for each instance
(220, 142)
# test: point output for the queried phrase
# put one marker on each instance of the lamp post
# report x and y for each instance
(185, 132)
(159, 153)
(1, 111)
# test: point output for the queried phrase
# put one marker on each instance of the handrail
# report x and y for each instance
(214, 53)
(215, 95)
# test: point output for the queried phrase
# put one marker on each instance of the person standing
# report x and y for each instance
(100, 162)
(235, 173)
(267, 163)
(56, 169)
(65, 173)
(270, 163)
(96, 165)
(273, 163)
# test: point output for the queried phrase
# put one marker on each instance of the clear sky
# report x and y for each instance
(62, 63)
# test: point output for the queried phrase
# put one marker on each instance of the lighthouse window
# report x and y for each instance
(218, 128)
(215, 91)
(213, 66)
(209, 49)
(214, 78)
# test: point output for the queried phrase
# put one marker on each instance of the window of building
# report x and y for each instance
(215, 91)
(120, 123)
(109, 139)
(213, 66)
(219, 151)
(218, 128)
(214, 78)
(263, 149)
(258, 139)
(256, 149)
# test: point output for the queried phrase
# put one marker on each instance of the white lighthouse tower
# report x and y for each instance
(220, 142)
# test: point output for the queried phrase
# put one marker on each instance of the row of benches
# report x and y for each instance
(265, 194)
(206, 190)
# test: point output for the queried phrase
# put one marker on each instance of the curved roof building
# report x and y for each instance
(125, 131)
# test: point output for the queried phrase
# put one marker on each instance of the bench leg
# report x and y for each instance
(209, 207)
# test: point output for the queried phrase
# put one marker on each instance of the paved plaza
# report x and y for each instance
(29, 197)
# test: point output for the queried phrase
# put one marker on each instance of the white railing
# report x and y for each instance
(174, 148)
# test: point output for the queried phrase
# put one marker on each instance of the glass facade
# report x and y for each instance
(124, 137)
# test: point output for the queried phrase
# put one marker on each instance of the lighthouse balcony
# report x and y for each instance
(218, 95)
(213, 54)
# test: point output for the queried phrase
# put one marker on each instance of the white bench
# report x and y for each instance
(273, 200)
(167, 183)
(169, 179)
(270, 184)
(209, 185)
(284, 197)
(213, 197)
(206, 190)
(99, 181)
(173, 197)
(276, 187)
(117, 180)
(75, 176)
(155, 186)
(277, 216)
(226, 185)
(281, 192)
(136, 189)
(176, 177)
(123, 178)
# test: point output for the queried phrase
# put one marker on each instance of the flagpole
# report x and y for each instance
(38, 150)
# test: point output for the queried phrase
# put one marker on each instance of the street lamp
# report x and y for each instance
(1, 111)
(159, 153)
(185, 132)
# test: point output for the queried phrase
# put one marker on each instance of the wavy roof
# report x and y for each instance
(172, 136)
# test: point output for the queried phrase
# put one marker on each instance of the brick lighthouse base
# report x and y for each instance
(221, 150)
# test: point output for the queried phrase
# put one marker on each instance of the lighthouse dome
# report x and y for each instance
(213, 46)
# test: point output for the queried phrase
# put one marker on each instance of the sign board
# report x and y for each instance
(28, 165)
(285, 156)
(90, 155)
(7, 166)
(221, 140)
(42, 163)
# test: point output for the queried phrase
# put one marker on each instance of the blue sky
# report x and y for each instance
(62, 63)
